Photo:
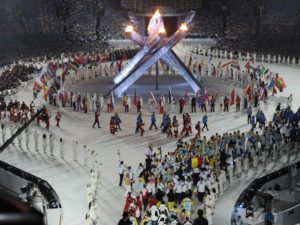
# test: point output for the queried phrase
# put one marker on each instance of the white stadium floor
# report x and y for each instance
(69, 179)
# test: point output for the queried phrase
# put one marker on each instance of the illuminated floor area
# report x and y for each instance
(69, 179)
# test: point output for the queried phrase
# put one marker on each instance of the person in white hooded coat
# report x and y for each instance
(154, 214)
(221, 181)
(36, 140)
(238, 166)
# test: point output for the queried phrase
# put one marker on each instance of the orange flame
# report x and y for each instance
(162, 30)
(156, 14)
(129, 29)
(184, 27)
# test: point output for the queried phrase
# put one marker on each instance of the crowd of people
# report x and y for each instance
(167, 189)
(15, 75)
(247, 25)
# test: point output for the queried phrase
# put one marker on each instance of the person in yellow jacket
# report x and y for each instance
(146, 219)
(127, 184)
(212, 162)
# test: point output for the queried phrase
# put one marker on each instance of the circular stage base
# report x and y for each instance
(146, 84)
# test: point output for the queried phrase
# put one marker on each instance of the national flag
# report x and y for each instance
(112, 100)
(195, 163)
(170, 95)
(49, 75)
(235, 65)
(151, 93)
(73, 66)
(185, 97)
(271, 84)
(263, 70)
(52, 67)
(80, 60)
(45, 92)
(227, 64)
(262, 95)
(248, 90)
(52, 70)
(278, 84)
(35, 92)
(199, 99)
(282, 82)
(247, 66)
(232, 97)
(38, 84)
(135, 100)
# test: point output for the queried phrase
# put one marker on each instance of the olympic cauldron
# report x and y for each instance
(155, 47)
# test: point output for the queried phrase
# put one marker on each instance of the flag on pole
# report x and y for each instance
(278, 84)
(263, 70)
(232, 97)
(227, 64)
(248, 90)
(45, 92)
(170, 95)
(73, 66)
(112, 100)
(185, 97)
(271, 85)
(235, 65)
(247, 66)
(151, 93)
(199, 99)
(282, 82)
(52, 70)
(262, 94)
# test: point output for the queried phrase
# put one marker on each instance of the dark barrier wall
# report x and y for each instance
(17, 178)
(249, 193)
